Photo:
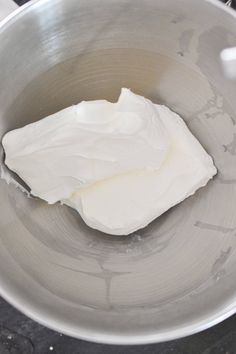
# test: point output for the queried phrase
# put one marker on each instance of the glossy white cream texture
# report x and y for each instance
(120, 165)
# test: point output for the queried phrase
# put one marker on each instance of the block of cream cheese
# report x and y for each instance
(120, 165)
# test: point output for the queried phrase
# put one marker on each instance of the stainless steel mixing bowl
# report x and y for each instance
(175, 277)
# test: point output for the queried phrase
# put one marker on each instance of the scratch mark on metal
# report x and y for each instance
(212, 227)
(220, 261)
(231, 148)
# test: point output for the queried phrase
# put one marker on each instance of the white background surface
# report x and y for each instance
(6, 7)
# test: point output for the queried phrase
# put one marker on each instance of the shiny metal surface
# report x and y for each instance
(228, 59)
(6, 7)
(175, 277)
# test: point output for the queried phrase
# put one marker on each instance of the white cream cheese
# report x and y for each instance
(120, 165)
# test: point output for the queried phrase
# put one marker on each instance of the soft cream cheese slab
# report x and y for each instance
(120, 165)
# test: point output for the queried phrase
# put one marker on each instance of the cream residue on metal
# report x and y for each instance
(120, 165)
